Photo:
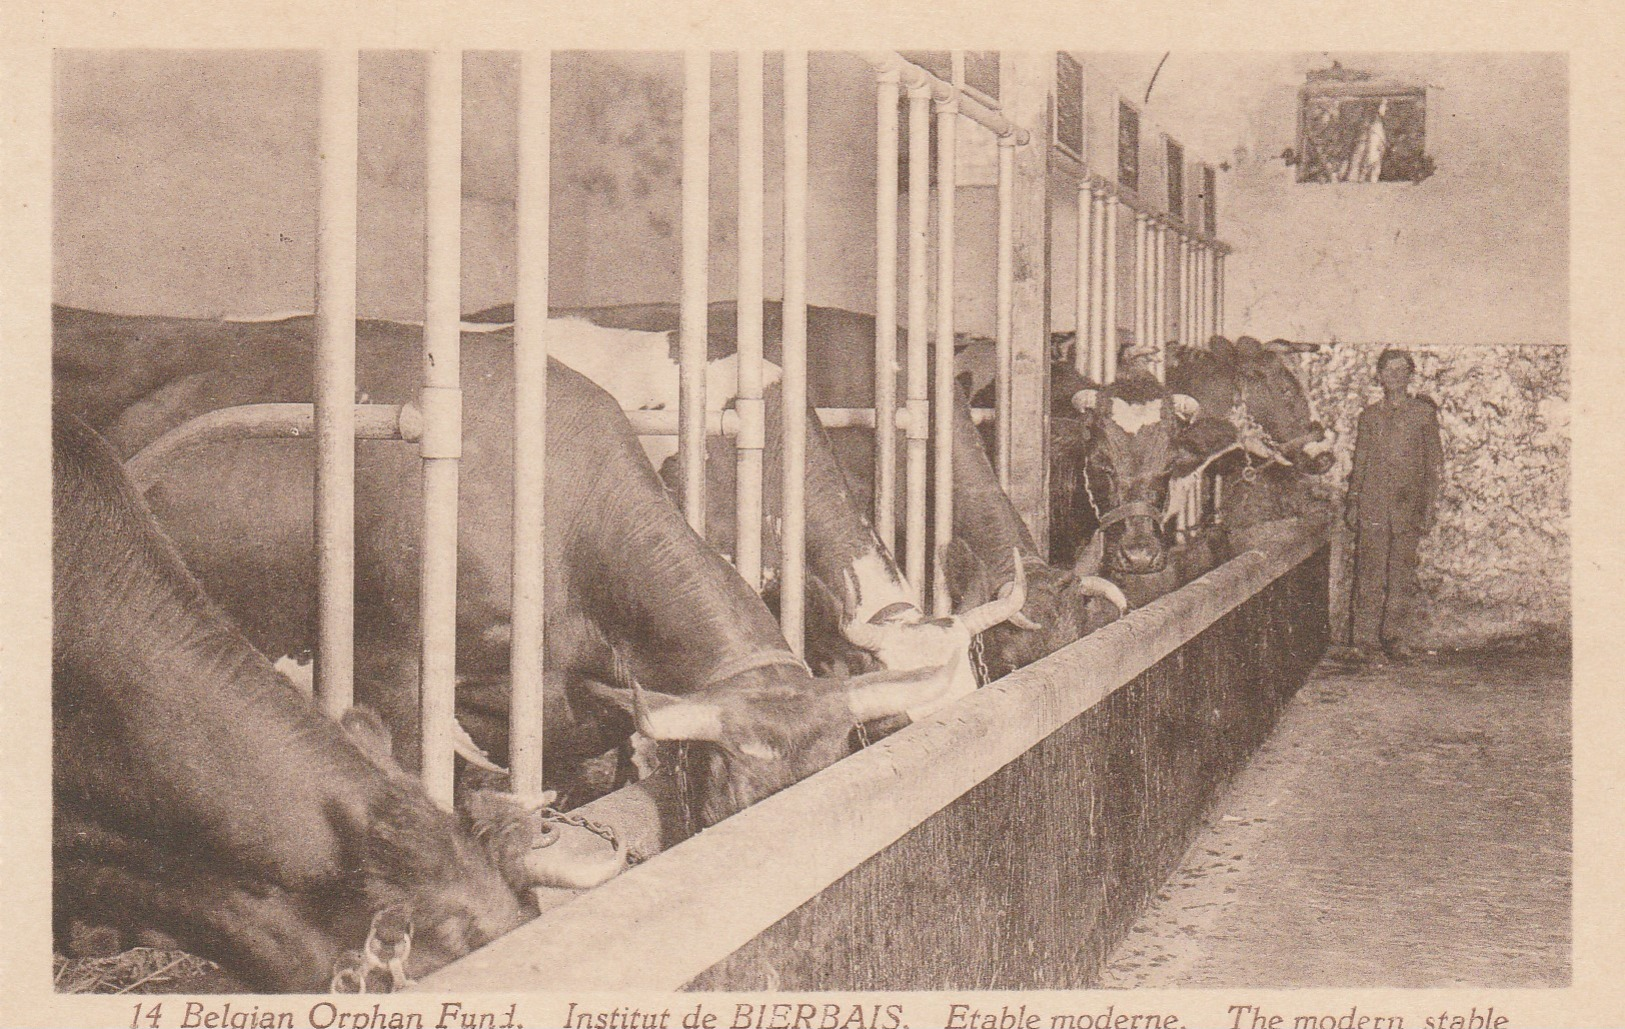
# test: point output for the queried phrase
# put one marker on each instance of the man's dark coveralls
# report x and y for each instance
(1397, 465)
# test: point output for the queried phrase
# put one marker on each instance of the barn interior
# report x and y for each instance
(186, 185)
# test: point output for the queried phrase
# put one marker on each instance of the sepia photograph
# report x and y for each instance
(973, 538)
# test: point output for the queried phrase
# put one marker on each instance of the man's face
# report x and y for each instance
(1395, 376)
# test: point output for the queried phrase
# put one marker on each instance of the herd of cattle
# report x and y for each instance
(201, 800)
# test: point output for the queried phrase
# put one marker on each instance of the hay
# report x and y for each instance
(139, 970)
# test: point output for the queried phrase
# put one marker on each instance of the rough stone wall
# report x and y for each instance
(1496, 568)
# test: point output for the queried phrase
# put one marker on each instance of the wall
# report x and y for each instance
(1476, 254)
(185, 182)
(1495, 570)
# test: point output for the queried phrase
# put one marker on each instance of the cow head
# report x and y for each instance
(1257, 383)
(903, 638)
(1135, 440)
(471, 897)
(1062, 606)
(769, 727)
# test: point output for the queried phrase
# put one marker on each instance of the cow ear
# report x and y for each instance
(1187, 407)
(968, 581)
(1090, 558)
(827, 608)
(1083, 401)
(367, 731)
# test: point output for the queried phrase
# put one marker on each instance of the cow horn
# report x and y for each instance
(885, 694)
(1096, 586)
(1021, 621)
(676, 719)
(862, 634)
(1186, 406)
(1001, 609)
(1083, 401)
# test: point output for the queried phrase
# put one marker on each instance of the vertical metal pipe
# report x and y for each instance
(1108, 351)
(1097, 286)
(1218, 294)
(696, 212)
(525, 727)
(1207, 292)
(335, 384)
(442, 402)
(752, 437)
(1004, 299)
(887, 92)
(943, 401)
(1142, 279)
(1186, 322)
(1159, 295)
(1084, 334)
(919, 361)
(792, 590)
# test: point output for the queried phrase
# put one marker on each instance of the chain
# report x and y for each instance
(978, 658)
(353, 969)
(549, 816)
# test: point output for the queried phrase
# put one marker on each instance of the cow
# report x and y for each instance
(1253, 385)
(196, 793)
(1060, 604)
(633, 597)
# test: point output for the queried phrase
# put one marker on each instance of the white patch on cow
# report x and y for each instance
(1321, 446)
(636, 368)
(1131, 418)
(301, 674)
(879, 586)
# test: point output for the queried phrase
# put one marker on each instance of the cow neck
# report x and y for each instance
(665, 598)
(839, 539)
(983, 515)
(148, 621)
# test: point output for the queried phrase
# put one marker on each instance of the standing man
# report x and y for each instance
(1392, 495)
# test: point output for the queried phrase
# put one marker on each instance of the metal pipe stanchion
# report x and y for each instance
(887, 92)
(1218, 294)
(1159, 295)
(943, 402)
(696, 213)
(526, 729)
(752, 438)
(792, 590)
(1084, 332)
(1108, 350)
(919, 361)
(442, 402)
(1097, 286)
(1142, 279)
(1005, 296)
(335, 384)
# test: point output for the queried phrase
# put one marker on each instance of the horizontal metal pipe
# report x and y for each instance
(266, 421)
(729, 423)
(916, 77)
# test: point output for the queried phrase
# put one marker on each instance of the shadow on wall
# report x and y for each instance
(1496, 569)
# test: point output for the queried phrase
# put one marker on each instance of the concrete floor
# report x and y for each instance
(1405, 826)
